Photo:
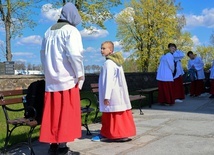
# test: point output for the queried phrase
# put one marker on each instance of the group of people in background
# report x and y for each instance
(170, 76)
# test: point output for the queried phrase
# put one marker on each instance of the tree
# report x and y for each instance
(212, 39)
(16, 15)
(93, 67)
(19, 65)
(29, 66)
(98, 68)
(130, 65)
(92, 12)
(206, 53)
(87, 68)
(146, 27)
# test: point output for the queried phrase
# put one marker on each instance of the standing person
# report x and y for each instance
(114, 103)
(62, 61)
(165, 73)
(196, 63)
(212, 80)
(178, 78)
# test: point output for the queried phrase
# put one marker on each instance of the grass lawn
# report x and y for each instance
(19, 134)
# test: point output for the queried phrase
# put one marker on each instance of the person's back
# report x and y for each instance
(61, 57)
(62, 46)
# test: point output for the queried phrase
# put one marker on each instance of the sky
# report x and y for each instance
(199, 22)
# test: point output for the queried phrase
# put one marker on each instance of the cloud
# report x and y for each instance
(90, 49)
(27, 54)
(196, 40)
(50, 13)
(21, 60)
(205, 19)
(94, 33)
(117, 45)
(30, 40)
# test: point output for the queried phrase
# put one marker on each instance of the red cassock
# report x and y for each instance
(197, 87)
(166, 92)
(118, 125)
(62, 117)
(212, 87)
(179, 88)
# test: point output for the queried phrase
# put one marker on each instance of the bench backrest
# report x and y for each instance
(12, 96)
(94, 87)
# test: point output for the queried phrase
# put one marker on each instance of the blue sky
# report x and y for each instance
(200, 23)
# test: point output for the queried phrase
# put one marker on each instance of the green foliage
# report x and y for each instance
(130, 65)
(16, 13)
(206, 53)
(15, 16)
(146, 27)
(93, 12)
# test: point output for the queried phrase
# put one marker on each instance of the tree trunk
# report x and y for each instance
(8, 34)
(8, 42)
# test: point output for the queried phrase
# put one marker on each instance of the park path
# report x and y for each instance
(183, 129)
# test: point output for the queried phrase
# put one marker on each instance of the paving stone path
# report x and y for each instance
(183, 129)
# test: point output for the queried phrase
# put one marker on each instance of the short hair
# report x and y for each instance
(172, 45)
(110, 43)
(188, 53)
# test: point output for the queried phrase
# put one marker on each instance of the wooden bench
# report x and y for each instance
(13, 97)
(150, 92)
(95, 91)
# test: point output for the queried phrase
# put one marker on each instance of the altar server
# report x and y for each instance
(62, 61)
(165, 74)
(195, 63)
(114, 103)
(212, 80)
(178, 78)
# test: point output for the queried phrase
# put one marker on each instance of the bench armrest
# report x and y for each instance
(13, 110)
(89, 102)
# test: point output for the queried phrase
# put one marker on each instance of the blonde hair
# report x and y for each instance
(109, 43)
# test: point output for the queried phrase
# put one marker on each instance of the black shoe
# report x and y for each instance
(66, 151)
(123, 140)
(118, 140)
(53, 149)
(212, 96)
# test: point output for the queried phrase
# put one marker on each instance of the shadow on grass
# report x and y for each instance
(19, 135)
